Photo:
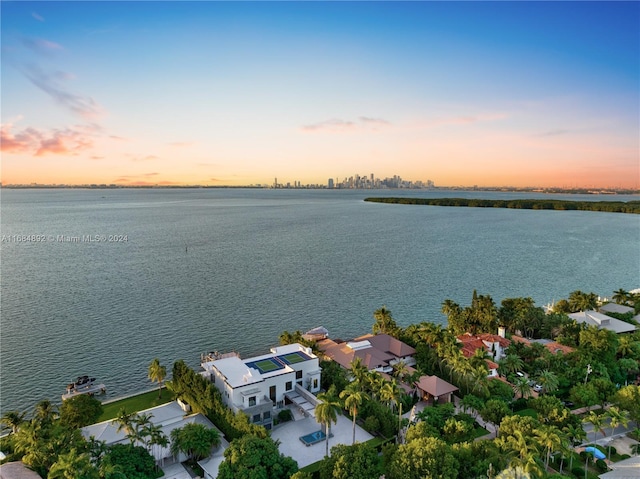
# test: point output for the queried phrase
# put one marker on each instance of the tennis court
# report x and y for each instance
(266, 365)
(293, 358)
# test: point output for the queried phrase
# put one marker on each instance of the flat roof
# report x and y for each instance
(241, 372)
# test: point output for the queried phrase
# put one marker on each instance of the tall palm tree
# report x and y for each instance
(391, 393)
(595, 420)
(327, 412)
(616, 418)
(72, 465)
(550, 438)
(13, 419)
(353, 398)
(157, 373)
(126, 422)
(142, 425)
(400, 370)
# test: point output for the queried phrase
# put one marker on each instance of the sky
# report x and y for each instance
(239, 93)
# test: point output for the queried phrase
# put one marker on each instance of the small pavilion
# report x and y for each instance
(435, 390)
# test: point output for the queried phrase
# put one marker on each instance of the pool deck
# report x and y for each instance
(289, 434)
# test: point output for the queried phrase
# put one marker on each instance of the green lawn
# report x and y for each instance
(528, 412)
(136, 403)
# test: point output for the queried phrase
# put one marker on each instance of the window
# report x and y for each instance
(298, 374)
(288, 386)
(252, 401)
(267, 415)
(257, 418)
(315, 384)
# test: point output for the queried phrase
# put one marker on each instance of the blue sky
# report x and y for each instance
(463, 93)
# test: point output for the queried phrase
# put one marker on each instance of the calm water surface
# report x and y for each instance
(208, 269)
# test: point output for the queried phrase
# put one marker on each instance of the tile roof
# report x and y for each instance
(435, 386)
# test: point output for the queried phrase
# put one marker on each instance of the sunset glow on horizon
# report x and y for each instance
(523, 94)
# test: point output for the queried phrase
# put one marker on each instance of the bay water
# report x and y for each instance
(194, 270)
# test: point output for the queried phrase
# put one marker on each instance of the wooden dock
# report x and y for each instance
(90, 390)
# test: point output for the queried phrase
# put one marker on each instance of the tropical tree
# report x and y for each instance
(521, 387)
(391, 393)
(358, 461)
(580, 301)
(596, 421)
(423, 458)
(73, 465)
(80, 411)
(327, 412)
(256, 458)
(13, 420)
(548, 380)
(157, 373)
(511, 364)
(620, 296)
(550, 438)
(194, 440)
(126, 422)
(45, 411)
(384, 322)
(353, 397)
(358, 370)
(616, 418)
(494, 411)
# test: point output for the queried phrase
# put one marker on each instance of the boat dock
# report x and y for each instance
(90, 390)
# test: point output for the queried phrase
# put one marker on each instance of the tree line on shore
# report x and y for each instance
(526, 204)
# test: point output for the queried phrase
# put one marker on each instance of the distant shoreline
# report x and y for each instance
(549, 190)
(632, 207)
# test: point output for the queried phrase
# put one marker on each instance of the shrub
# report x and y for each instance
(614, 451)
(371, 425)
(285, 415)
(601, 466)
(578, 471)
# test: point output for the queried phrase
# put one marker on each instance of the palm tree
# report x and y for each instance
(550, 438)
(142, 425)
(13, 419)
(616, 418)
(384, 322)
(521, 387)
(511, 364)
(195, 440)
(353, 397)
(73, 465)
(400, 370)
(157, 372)
(620, 296)
(45, 411)
(358, 370)
(392, 394)
(126, 423)
(327, 412)
(157, 438)
(594, 419)
(548, 380)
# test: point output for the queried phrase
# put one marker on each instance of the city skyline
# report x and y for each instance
(524, 94)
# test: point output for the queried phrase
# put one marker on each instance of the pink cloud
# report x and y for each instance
(39, 143)
(336, 125)
(40, 45)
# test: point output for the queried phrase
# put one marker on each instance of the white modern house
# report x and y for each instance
(257, 386)
(602, 321)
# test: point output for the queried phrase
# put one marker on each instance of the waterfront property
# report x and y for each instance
(168, 417)
(259, 385)
(377, 352)
(602, 321)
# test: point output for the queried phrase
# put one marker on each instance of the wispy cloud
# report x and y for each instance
(41, 46)
(37, 16)
(145, 158)
(461, 120)
(336, 125)
(67, 141)
(556, 132)
(84, 106)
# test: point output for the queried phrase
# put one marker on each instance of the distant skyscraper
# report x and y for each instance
(330, 183)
